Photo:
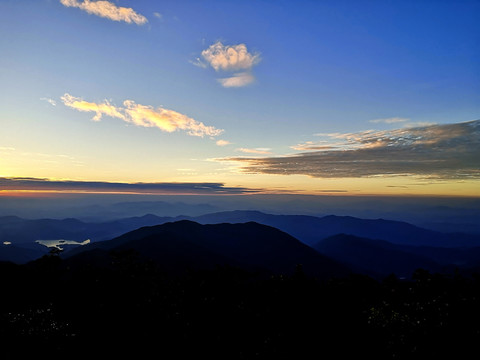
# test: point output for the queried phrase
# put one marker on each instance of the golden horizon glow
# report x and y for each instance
(184, 98)
(250, 184)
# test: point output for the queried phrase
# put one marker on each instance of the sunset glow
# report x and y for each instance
(328, 98)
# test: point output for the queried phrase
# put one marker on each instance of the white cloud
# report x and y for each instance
(143, 115)
(259, 151)
(230, 57)
(392, 120)
(237, 80)
(223, 142)
(310, 145)
(99, 109)
(50, 101)
(420, 124)
(158, 15)
(198, 62)
(108, 10)
(406, 122)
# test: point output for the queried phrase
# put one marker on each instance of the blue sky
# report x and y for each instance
(312, 67)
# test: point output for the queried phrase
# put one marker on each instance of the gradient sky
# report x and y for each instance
(317, 97)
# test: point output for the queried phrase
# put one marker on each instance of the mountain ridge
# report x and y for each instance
(248, 245)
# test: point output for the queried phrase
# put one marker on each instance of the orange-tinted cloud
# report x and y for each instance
(108, 10)
(143, 115)
(260, 151)
(228, 59)
(223, 142)
(104, 108)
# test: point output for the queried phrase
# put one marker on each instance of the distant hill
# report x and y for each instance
(375, 257)
(308, 229)
(183, 244)
(19, 254)
(311, 229)
(17, 230)
(161, 208)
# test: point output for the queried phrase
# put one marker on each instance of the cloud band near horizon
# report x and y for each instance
(437, 152)
(47, 185)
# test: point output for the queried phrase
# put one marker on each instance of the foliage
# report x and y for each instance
(132, 307)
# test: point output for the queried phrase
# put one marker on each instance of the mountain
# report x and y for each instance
(109, 212)
(181, 244)
(17, 230)
(22, 234)
(375, 257)
(308, 229)
(465, 257)
(311, 229)
(20, 254)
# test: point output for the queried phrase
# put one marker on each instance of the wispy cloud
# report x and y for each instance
(437, 152)
(142, 115)
(104, 108)
(38, 184)
(405, 121)
(50, 101)
(260, 151)
(158, 15)
(223, 142)
(332, 191)
(237, 80)
(107, 9)
(230, 58)
(14, 156)
(310, 145)
(198, 62)
(419, 124)
(392, 120)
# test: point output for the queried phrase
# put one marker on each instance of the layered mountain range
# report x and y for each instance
(324, 246)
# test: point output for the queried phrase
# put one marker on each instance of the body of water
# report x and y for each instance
(60, 242)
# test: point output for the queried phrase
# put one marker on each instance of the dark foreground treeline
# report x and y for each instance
(53, 309)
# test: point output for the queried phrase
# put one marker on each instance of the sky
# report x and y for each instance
(359, 97)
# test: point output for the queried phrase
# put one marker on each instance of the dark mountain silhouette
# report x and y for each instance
(311, 229)
(375, 257)
(24, 233)
(308, 229)
(53, 308)
(249, 245)
(19, 254)
(462, 257)
(17, 230)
